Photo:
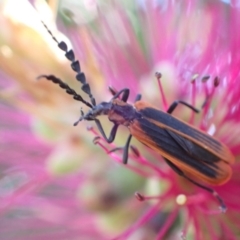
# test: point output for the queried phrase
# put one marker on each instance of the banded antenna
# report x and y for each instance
(69, 54)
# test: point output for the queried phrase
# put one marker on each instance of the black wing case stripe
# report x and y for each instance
(174, 123)
(194, 150)
(186, 145)
(162, 139)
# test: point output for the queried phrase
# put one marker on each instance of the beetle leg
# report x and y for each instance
(126, 147)
(125, 95)
(212, 191)
(115, 149)
(127, 144)
(175, 104)
(112, 134)
(112, 90)
(138, 97)
(125, 150)
(134, 150)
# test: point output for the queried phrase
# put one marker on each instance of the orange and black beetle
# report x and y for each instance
(189, 151)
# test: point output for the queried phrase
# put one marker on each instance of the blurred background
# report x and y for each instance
(55, 183)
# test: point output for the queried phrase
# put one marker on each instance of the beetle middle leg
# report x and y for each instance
(175, 104)
(212, 191)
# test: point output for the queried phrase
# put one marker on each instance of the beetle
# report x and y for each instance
(190, 152)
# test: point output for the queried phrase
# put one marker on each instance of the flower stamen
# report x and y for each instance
(158, 75)
(181, 199)
(142, 197)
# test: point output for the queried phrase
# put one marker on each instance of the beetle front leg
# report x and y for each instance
(112, 134)
(111, 138)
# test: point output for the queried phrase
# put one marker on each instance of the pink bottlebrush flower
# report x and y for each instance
(188, 44)
(80, 192)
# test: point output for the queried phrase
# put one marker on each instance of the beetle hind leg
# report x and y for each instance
(212, 191)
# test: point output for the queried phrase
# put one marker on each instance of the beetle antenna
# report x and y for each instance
(75, 65)
(66, 87)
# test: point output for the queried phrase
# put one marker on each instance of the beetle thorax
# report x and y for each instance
(122, 113)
